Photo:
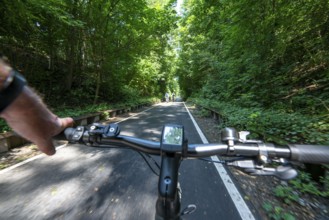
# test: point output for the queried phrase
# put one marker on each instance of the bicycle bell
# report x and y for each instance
(229, 135)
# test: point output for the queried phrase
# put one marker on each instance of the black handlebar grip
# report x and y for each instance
(68, 132)
(316, 154)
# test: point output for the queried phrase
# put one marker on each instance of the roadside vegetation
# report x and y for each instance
(71, 111)
(263, 65)
(301, 198)
(86, 56)
(271, 125)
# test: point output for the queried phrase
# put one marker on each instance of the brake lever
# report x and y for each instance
(282, 172)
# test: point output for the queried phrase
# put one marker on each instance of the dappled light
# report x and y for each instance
(261, 66)
(80, 182)
(93, 51)
(89, 182)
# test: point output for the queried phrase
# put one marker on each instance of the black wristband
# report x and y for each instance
(8, 95)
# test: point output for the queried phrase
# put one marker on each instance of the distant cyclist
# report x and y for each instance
(167, 97)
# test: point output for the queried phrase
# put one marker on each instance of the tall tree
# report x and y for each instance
(268, 53)
(91, 50)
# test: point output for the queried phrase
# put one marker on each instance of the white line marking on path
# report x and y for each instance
(134, 115)
(27, 161)
(238, 201)
(240, 204)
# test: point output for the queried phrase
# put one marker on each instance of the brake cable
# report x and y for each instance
(143, 155)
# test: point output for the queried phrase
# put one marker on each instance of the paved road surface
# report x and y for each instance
(81, 182)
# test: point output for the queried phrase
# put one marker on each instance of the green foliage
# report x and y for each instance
(3, 126)
(286, 193)
(95, 51)
(270, 124)
(277, 212)
(204, 113)
(82, 110)
(76, 111)
(105, 115)
(256, 53)
(304, 184)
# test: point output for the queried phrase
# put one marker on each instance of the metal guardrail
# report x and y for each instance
(214, 114)
(11, 140)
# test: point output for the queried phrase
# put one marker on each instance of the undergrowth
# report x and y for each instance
(275, 125)
(75, 111)
(276, 212)
(292, 193)
(272, 125)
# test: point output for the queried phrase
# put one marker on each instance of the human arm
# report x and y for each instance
(30, 118)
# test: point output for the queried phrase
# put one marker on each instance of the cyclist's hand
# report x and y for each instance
(31, 119)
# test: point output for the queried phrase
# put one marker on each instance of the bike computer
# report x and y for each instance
(172, 138)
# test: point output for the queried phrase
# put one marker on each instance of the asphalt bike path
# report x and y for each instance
(82, 182)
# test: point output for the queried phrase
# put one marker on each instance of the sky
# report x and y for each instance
(179, 7)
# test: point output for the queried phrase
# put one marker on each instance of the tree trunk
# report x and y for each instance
(73, 42)
(97, 87)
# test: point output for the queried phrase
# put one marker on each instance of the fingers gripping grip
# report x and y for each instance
(65, 135)
(309, 153)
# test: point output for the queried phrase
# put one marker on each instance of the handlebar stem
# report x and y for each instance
(168, 202)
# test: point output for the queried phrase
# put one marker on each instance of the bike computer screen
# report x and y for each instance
(172, 138)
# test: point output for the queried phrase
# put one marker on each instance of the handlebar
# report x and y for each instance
(316, 154)
(249, 155)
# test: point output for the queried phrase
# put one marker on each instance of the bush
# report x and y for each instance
(271, 124)
(76, 111)
(3, 126)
